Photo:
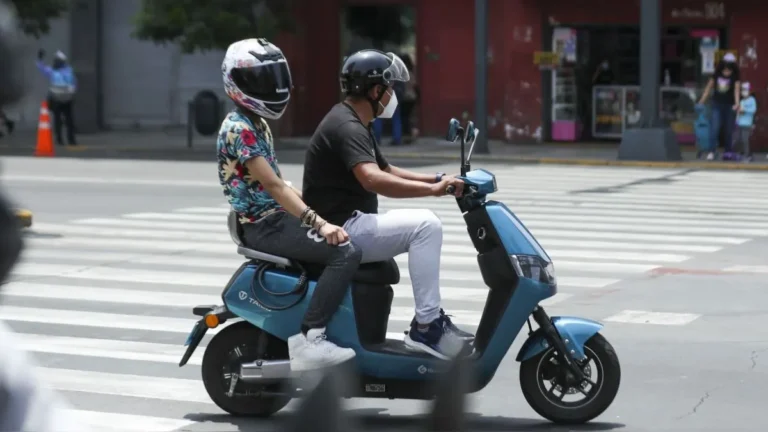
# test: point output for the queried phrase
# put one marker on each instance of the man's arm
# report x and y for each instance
(356, 148)
(410, 175)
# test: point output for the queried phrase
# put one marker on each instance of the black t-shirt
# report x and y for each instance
(340, 142)
(723, 91)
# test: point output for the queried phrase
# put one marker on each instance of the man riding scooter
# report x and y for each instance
(344, 171)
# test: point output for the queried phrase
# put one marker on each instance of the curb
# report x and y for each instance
(24, 217)
(717, 165)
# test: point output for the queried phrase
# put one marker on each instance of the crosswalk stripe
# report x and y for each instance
(169, 389)
(179, 299)
(452, 218)
(114, 422)
(108, 348)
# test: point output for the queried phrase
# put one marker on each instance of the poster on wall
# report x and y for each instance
(708, 46)
(608, 112)
(564, 43)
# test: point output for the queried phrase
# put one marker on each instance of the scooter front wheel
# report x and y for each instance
(233, 346)
(552, 395)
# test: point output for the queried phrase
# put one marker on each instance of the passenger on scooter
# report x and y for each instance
(344, 171)
(275, 220)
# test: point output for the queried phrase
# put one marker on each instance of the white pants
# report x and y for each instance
(416, 231)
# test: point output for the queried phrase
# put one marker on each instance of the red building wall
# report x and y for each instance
(445, 55)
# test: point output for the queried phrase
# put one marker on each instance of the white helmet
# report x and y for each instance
(257, 77)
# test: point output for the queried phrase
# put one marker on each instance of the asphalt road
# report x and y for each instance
(672, 262)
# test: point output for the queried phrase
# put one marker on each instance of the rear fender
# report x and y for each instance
(574, 331)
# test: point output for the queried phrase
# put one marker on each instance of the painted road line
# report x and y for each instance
(111, 181)
(165, 240)
(760, 269)
(182, 299)
(122, 275)
(100, 320)
(563, 211)
(154, 323)
(547, 239)
(113, 422)
(101, 233)
(169, 389)
(577, 266)
(654, 318)
(562, 281)
(108, 348)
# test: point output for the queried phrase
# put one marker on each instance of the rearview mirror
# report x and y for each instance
(469, 132)
(454, 129)
(472, 140)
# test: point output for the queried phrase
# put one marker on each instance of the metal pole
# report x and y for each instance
(481, 75)
(650, 64)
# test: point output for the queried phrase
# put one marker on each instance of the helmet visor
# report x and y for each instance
(269, 82)
(396, 71)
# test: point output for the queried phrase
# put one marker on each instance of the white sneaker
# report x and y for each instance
(711, 156)
(315, 352)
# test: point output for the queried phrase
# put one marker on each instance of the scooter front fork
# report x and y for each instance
(553, 336)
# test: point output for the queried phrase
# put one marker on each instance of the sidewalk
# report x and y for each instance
(171, 144)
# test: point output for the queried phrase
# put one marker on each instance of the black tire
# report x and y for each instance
(217, 360)
(531, 375)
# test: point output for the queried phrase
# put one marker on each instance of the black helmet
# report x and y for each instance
(367, 68)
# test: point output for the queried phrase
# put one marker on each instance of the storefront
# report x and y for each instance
(594, 90)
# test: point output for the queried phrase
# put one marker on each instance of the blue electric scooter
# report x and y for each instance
(246, 370)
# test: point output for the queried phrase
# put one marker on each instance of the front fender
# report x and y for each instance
(576, 331)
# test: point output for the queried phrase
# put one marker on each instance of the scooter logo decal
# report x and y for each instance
(243, 295)
(422, 369)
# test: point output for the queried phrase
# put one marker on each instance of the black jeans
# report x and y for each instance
(282, 234)
(62, 116)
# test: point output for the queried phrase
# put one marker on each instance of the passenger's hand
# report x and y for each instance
(333, 234)
(440, 189)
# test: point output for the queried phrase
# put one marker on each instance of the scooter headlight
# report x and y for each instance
(535, 268)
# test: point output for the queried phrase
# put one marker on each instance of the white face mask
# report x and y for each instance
(389, 110)
(745, 92)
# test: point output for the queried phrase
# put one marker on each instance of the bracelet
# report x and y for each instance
(320, 225)
(439, 176)
(308, 218)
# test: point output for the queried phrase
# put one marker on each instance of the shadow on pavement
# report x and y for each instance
(322, 411)
(374, 420)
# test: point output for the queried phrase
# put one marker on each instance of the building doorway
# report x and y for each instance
(389, 28)
(602, 85)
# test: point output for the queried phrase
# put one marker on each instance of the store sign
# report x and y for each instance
(707, 11)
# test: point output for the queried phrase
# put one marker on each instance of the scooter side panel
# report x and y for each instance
(577, 331)
(515, 237)
(245, 294)
(341, 330)
(526, 297)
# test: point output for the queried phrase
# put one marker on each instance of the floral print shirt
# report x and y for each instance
(239, 141)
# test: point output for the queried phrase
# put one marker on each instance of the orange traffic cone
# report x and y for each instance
(44, 137)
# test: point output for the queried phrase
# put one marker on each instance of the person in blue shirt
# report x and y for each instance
(746, 120)
(61, 92)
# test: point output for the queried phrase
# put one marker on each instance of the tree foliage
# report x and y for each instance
(203, 25)
(35, 15)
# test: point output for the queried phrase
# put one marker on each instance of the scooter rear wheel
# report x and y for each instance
(550, 401)
(231, 347)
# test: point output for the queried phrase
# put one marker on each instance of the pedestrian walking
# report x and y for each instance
(746, 120)
(61, 93)
(724, 88)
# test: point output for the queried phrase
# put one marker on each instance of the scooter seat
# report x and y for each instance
(375, 273)
(383, 272)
